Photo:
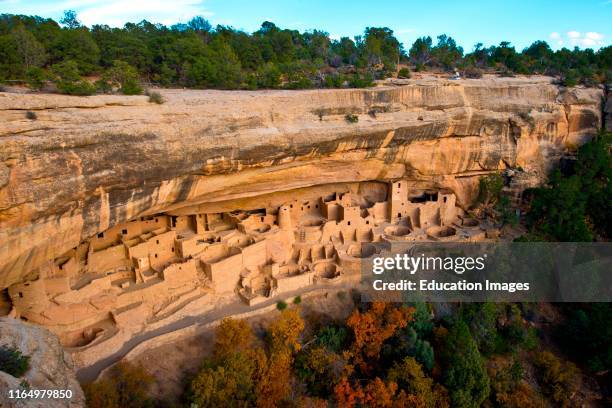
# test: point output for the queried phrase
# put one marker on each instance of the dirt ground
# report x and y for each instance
(173, 365)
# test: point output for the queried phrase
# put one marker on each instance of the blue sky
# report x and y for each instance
(585, 23)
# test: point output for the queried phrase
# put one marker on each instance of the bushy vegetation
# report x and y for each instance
(156, 97)
(373, 359)
(559, 379)
(351, 118)
(403, 73)
(197, 55)
(479, 354)
(126, 386)
(13, 362)
(244, 373)
(586, 333)
(492, 202)
(576, 206)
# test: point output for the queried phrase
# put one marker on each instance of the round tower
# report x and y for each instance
(284, 218)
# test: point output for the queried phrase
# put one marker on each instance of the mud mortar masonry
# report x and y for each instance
(116, 213)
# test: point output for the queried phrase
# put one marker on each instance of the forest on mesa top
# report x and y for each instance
(36, 50)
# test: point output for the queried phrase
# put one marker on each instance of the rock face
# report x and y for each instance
(89, 163)
(50, 367)
(608, 108)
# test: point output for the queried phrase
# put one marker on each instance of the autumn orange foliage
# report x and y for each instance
(372, 327)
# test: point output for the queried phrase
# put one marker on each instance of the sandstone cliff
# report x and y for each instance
(50, 367)
(88, 163)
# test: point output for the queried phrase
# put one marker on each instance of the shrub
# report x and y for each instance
(281, 305)
(103, 86)
(13, 362)
(127, 387)
(320, 113)
(351, 118)
(31, 115)
(332, 338)
(124, 76)
(334, 81)
(358, 81)
(404, 73)
(268, 76)
(297, 300)
(35, 78)
(559, 380)
(68, 80)
(131, 87)
(569, 78)
(299, 80)
(156, 97)
(472, 72)
(80, 88)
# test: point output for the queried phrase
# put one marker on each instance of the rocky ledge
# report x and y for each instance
(85, 164)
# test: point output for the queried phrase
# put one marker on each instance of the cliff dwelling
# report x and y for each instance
(144, 270)
(134, 221)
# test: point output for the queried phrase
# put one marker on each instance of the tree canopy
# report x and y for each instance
(198, 55)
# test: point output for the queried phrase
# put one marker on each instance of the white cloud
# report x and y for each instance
(594, 36)
(573, 38)
(405, 31)
(116, 13)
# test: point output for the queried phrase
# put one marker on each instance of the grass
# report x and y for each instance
(297, 300)
(281, 305)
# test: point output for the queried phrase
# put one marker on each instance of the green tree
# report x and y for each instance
(381, 47)
(36, 78)
(446, 53)
(463, 369)
(587, 334)
(68, 81)
(124, 76)
(420, 52)
(268, 76)
(31, 53)
(559, 210)
(78, 45)
(70, 19)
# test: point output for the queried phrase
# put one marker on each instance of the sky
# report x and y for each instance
(562, 23)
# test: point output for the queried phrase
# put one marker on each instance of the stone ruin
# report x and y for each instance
(144, 270)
